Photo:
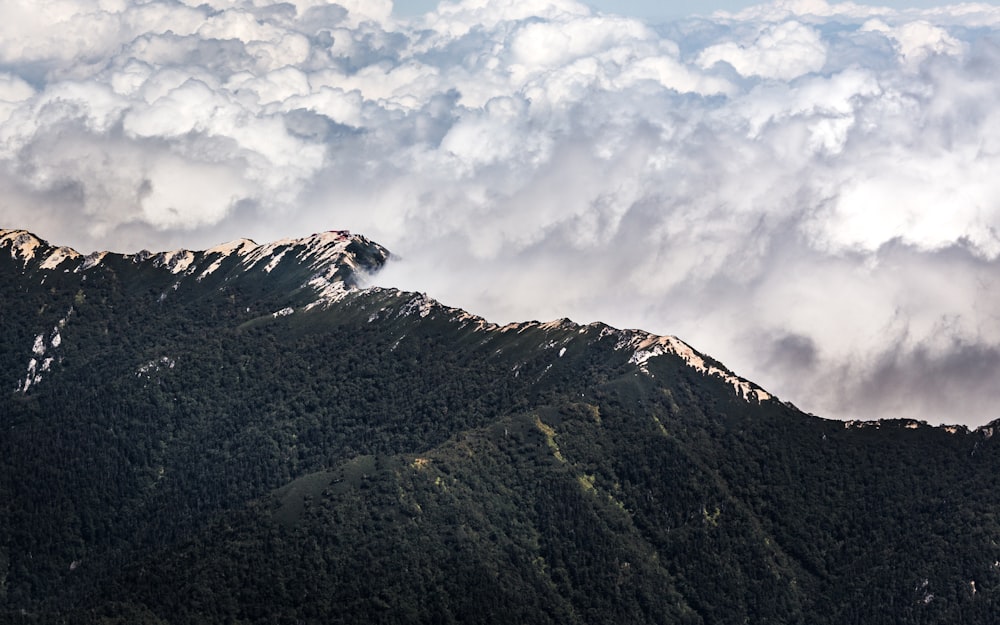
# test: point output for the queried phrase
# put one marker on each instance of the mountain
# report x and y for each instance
(251, 434)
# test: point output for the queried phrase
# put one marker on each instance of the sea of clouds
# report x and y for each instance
(807, 191)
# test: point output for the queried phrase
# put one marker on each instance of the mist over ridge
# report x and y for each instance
(803, 190)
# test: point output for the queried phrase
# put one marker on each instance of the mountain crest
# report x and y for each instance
(330, 263)
(26, 247)
(327, 266)
(648, 346)
(211, 420)
(560, 333)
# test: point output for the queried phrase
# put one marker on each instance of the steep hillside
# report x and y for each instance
(247, 434)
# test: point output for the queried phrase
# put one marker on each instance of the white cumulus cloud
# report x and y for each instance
(783, 51)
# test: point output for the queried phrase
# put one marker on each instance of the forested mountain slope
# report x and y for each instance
(247, 435)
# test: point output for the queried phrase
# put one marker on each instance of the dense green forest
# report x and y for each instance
(268, 442)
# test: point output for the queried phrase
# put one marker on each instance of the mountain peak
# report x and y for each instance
(22, 243)
(648, 346)
(329, 263)
(323, 268)
(235, 246)
(25, 247)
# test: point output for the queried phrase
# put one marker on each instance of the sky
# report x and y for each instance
(804, 190)
(657, 11)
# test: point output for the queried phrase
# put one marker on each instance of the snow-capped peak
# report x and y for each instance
(23, 245)
(318, 250)
(325, 262)
(26, 247)
(239, 246)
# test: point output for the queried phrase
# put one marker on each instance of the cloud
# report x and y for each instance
(802, 189)
(917, 40)
(784, 51)
(815, 10)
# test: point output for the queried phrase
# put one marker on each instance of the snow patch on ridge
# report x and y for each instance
(38, 349)
(329, 291)
(419, 305)
(151, 367)
(23, 244)
(328, 254)
(57, 257)
(274, 261)
(467, 318)
(177, 261)
(33, 377)
(90, 261)
(319, 251)
(643, 345)
(240, 247)
(267, 250)
(650, 346)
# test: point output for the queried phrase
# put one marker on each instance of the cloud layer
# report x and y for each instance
(805, 190)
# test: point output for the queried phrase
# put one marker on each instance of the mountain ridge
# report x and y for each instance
(250, 447)
(325, 253)
(336, 272)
